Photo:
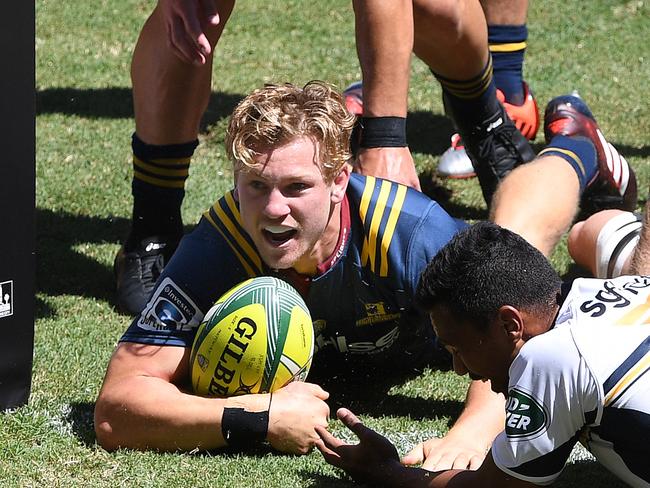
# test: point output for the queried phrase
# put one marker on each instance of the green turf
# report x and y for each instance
(84, 123)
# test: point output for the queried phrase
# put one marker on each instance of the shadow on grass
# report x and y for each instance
(587, 473)
(317, 480)
(427, 132)
(117, 103)
(80, 418)
(62, 270)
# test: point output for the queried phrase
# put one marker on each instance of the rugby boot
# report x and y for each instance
(494, 146)
(614, 185)
(353, 96)
(454, 162)
(137, 271)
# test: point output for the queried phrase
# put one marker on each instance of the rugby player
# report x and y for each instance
(354, 246)
(507, 38)
(573, 360)
(171, 75)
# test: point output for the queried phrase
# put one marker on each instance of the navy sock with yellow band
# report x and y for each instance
(158, 188)
(508, 47)
(579, 152)
(473, 100)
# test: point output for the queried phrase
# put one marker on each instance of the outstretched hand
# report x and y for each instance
(186, 22)
(446, 453)
(372, 460)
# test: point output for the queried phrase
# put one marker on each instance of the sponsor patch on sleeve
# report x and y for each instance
(169, 309)
(526, 418)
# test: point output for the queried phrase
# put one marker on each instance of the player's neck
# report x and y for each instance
(324, 247)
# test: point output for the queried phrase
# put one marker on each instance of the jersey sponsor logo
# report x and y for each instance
(376, 312)
(614, 296)
(341, 344)
(526, 418)
(169, 309)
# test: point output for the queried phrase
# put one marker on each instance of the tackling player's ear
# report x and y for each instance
(512, 322)
(340, 184)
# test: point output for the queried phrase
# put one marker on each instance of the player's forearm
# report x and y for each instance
(143, 412)
(483, 416)
(384, 34)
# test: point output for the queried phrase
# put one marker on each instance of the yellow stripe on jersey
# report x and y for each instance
(368, 190)
(365, 198)
(369, 250)
(249, 270)
(508, 47)
(630, 377)
(230, 201)
(390, 228)
(638, 315)
(235, 239)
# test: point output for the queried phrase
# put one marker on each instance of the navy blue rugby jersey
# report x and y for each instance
(361, 304)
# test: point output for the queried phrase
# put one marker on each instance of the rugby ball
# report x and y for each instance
(256, 338)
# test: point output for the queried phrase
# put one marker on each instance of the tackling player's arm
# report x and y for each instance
(468, 441)
(375, 461)
(143, 405)
(384, 35)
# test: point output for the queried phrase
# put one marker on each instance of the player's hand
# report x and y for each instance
(391, 163)
(449, 452)
(371, 461)
(296, 410)
(186, 22)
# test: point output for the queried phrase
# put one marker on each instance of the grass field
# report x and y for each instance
(84, 123)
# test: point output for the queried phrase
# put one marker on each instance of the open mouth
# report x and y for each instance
(279, 234)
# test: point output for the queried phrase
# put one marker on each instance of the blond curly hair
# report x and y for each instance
(277, 114)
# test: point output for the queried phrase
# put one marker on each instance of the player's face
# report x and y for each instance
(288, 209)
(484, 355)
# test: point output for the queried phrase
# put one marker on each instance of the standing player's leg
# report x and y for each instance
(170, 95)
(507, 36)
(451, 38)
(578, 166)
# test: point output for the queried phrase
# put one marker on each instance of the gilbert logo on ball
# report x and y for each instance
(256, 338)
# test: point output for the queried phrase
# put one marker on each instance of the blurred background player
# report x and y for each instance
(507, 38)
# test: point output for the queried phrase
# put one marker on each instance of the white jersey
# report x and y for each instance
(587, 380)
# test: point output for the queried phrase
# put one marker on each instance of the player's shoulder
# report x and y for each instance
(552, 352)
(398, 208)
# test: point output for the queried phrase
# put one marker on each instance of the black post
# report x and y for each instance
(17, 110)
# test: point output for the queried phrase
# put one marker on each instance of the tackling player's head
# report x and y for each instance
(485, 267)
(278, 114)
(488, 291)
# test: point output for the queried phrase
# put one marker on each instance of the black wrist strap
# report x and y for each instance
(383, 132)
(242, 429)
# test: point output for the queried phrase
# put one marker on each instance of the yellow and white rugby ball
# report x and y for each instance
(255, 339)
